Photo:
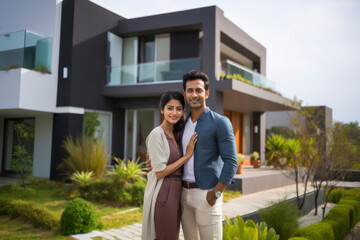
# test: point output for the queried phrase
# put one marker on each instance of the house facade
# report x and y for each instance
(91, 59)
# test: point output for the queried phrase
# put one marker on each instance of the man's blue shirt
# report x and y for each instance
(215, 154)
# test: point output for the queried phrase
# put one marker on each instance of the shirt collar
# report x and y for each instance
(203, 114)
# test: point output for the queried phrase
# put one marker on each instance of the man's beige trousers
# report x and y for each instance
(199, 220)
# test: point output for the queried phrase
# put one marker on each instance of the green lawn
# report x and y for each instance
(53, 196)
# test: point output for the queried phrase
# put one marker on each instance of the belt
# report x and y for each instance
(173, 176)
(189, 184)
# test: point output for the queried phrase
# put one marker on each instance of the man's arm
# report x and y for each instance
(227, 147)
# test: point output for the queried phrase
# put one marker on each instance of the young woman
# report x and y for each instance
(161, 210)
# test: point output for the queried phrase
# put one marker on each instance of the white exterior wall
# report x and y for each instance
(22, 88)
(27, 93)
(42, 145)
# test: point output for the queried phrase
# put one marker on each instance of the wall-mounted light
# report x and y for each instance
(65, 72)
(256, 128)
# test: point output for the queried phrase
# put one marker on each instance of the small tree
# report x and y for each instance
(22, 161)
(333, 163)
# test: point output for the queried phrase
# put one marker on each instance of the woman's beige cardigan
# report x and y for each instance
(159, 152)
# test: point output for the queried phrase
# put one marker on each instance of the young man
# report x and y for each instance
(212, 166)
(205, 175)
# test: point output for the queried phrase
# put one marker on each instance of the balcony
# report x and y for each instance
(25, 49)
(152, 72)
(241, 73)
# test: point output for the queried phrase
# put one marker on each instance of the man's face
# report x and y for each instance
(195, 93)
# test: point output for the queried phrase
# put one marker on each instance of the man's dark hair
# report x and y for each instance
(193, 75)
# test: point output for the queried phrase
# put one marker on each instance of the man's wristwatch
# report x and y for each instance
(217, 193)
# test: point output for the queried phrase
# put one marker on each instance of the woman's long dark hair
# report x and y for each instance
(165, 98)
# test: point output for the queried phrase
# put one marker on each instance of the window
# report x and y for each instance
(13, 138)
(103, 132)
(139, 124)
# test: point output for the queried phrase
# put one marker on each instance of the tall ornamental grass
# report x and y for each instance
(85, 154)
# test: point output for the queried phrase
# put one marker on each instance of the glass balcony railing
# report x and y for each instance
(150, 72)
(236, 71)
(25, 49)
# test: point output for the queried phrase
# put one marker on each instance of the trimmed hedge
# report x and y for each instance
(39, 216)
(317, 231)
(355, 204)
(339, 193)
(339, 219)
(106, 190)
(336, 194)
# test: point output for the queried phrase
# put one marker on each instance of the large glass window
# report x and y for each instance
(114, 59)
(247, 134)
(14, 138)
(145, 59)
(139, 124)
(103, 131)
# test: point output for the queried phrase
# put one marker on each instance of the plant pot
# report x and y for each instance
(257, 163)
(240, 168)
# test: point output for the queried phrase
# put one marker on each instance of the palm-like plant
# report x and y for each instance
(131, 172)
(292, 149)
(82, 177)
(275, 145)
(84, 155)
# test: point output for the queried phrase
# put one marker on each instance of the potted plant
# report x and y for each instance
(222, 76)
(241, 158)
(255, 161)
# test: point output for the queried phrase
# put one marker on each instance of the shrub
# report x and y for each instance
(129, 172)
(136, 191)
(336, 194)
(109, 191)
(355, 204)
(99, 190)
(82, 177)
(85, 154)
(238, 229)
(30, 212)
(4, 206)
(282, 217)
(317, 231)
(338, 218)
(78, 217)
(275, 145)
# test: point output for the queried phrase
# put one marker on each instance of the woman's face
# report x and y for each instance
(173, 111)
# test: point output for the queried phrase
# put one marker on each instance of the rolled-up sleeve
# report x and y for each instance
(157, 153)
(227, 147)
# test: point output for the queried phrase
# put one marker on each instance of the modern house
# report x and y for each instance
(67, 58)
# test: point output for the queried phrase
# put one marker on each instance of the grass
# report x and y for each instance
(17, 229)
(53, 196)
(229, 194)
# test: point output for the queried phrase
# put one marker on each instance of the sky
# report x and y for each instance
(313, 46)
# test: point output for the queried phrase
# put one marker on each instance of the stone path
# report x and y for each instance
(239, 206)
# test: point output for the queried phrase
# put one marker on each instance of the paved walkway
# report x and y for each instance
(239, 206)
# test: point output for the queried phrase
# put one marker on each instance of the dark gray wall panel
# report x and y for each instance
(63, 125)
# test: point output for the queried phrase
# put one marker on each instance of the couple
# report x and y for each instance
(188, 176)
